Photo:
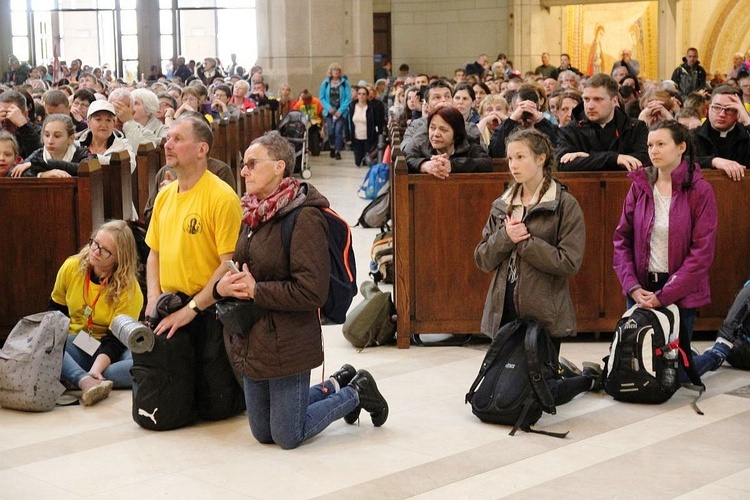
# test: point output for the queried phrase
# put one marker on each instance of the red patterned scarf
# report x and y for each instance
(256, 211)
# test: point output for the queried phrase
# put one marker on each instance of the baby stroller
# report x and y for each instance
(293, 127)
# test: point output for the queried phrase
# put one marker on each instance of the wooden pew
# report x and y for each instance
(117, 184)
(438, 223)
(233, 144)
(148, 162)
(219, 149)
(45, 221)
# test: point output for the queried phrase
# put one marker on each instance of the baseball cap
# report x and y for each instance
(101, 105)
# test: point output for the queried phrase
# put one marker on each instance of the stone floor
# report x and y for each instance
(431, 447)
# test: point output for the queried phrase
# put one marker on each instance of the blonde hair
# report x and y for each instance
(333, 66)
(124, 275)
(539, 144)
(492, 99)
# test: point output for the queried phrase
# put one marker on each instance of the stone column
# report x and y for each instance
(149, 42)
(298, 39)
(668, 49)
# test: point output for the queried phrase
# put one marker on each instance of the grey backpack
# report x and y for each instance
(31, 362)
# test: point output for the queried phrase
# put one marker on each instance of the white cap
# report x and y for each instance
(101, 105)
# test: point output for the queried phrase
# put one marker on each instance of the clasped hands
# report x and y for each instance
(438, 165)
(240, 285)
(516, 229)
(644, 298)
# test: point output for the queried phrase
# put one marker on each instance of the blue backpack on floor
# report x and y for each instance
(375, 179)
(342, 285)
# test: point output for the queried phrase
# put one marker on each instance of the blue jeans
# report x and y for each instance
(335, 132)
(287, 411)
(77, 363)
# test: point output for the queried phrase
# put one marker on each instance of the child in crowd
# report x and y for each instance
(59, 157)
(8, 152)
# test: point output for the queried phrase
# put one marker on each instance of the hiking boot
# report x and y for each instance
(344, 375)
(370, 398)
(593, 372)
(568, 368)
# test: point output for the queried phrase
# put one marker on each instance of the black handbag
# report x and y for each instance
(238, 316)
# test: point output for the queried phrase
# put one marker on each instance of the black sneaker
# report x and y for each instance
(337, 155)
(594, 372)
(344, 375)
(370, 398)
(333, 152)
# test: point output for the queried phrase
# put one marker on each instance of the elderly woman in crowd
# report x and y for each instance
(167, 108)
(124, 104)
(335, 95)
(145, 110)
(448, 149)
(276, 356)
(493, 110)
(101, 138)
(239, 96)
(221, 106)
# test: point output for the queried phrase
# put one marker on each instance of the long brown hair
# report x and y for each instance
(539, 144)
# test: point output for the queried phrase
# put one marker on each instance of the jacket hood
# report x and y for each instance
(307, 196)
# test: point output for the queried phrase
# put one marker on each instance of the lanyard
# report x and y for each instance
(88, 311)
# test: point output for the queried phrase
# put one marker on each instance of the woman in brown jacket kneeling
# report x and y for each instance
(534, 242)
(276, 356)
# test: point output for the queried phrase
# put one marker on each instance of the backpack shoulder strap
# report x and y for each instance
(535, 335)
(287, 227)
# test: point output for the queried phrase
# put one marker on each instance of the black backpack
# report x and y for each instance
(342, 285)
(511, 388)
(647, 350)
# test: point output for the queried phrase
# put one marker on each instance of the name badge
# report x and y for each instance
(86, 343)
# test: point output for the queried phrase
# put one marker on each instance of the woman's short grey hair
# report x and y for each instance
(149, 100)
(278, 149)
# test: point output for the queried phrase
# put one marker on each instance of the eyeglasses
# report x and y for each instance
(250, 164)
(165, 105)
(721, 109)
(95, 246)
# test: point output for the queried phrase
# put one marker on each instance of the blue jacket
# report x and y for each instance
(345, 96)
(692, 237)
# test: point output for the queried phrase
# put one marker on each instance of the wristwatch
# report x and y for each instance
(192, 305)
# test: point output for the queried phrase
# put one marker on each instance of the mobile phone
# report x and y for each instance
(232, 266)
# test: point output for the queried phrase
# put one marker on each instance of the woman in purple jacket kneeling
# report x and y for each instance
(666, 237)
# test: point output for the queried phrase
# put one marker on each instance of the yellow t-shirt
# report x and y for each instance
(70, 290)
(190, 230)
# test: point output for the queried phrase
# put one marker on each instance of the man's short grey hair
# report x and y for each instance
(278, 148)
(121, 94)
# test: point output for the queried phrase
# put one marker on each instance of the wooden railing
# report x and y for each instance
(44, 222)
(438, 223)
